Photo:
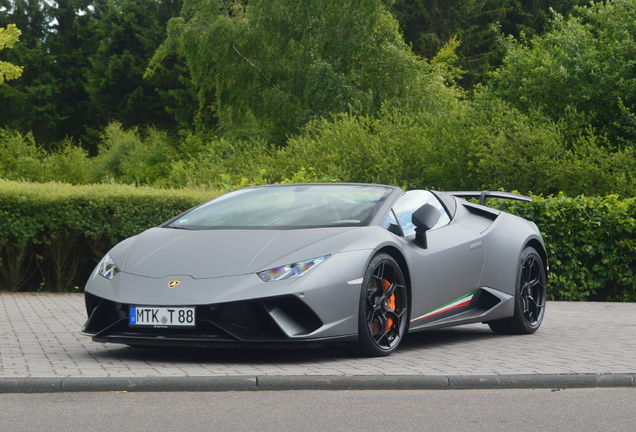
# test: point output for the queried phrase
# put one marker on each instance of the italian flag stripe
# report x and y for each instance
(455, 304)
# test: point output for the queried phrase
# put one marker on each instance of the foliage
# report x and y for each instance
(478, 144)
(55, 233)
(128, 32)
(22, 159)
(263, 69)
(462, 144)
(519, 151)
(590, 242)
(49, 100)
(8, 37)
(126, 156)
(83, 65)
(584, 67)
(129, 157)
(428, 25)
(28, 105)
(389, 149)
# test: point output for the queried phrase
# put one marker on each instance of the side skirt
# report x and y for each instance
(481, 305)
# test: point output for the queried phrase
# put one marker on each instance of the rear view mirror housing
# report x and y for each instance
(424, 218)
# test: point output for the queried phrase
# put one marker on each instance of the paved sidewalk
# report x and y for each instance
(40, 339)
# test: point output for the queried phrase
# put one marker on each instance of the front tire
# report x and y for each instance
(530, 296)
(383, 308)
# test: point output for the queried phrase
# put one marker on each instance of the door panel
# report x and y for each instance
(449, 268)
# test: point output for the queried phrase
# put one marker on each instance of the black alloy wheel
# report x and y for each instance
(531, 293)
(383, 312)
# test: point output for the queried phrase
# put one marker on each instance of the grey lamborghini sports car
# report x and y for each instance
(316, 264)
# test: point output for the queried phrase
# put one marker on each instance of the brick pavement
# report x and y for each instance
(39, 338)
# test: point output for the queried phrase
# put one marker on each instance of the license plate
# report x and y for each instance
(161, 316)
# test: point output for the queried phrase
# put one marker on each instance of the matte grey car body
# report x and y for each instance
(375, 263)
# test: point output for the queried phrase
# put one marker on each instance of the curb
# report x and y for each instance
(336, 382)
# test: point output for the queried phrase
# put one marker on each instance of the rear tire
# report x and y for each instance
(530, 296)
(383, 308)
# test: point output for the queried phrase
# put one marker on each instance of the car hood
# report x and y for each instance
(160, 252)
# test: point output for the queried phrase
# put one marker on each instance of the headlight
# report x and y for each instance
(291, 270)
(107, 267)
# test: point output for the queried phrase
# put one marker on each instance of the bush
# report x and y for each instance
(128, 157)
(482, 144)
(22, 159)
(19, 156)
(391, 149)
(591, 245)
(53, 234)
(464, 145)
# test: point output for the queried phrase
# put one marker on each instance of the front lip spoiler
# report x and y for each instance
(219, 342)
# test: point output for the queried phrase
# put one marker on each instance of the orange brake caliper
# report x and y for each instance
(390, 304)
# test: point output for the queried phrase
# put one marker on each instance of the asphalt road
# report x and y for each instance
(572, 410)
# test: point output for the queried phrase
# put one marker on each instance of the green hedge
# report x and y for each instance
(53, 234)
(591, 245)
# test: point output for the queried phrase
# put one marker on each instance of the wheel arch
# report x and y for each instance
(540, 248)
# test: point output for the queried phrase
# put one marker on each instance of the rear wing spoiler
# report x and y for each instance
(483, 195)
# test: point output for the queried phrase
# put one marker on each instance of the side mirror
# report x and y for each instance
(424, 218)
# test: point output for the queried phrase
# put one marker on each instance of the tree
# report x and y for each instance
(582, 71)
(128, 33)
(71, 42)
(267, 67)
(47, 100)
(84, 61)
(8, 37)
(429, 24)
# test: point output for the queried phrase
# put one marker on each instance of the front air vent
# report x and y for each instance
(270, 319)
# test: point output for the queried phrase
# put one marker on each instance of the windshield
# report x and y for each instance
(287, 206)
